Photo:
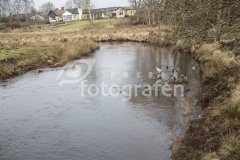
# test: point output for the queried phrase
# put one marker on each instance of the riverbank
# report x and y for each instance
(215, 136)
(17, 59)
(22, 52)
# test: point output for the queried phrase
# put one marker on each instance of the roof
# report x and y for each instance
(85, 11)
(73, 10)
(128, 8)
(43, 14)
(104, 10)
(57, 12)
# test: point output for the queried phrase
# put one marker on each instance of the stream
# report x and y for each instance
(43, 117)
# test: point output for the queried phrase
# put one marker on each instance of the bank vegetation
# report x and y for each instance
(209, 30)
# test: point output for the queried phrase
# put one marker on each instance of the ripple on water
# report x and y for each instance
(41, 120)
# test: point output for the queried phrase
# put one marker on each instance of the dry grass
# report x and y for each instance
(104, 33)
(21, 57)
(62, 46)
(217, 65)
(38, 47)
(217, 135)
(230, 147)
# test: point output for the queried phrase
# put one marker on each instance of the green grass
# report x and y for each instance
(234, 111)
(86, 24)
(2, 25)
(18, 53)
(41, 26)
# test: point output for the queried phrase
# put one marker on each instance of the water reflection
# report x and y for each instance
(40, 120)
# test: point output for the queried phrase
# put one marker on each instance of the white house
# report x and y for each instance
(55, 15)
(72, 14)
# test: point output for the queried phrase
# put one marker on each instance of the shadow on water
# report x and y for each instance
(41, 120)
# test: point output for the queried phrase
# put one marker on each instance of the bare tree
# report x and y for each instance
(79, 3)
(46, 7)
(27, 5)
(203, 20)
(153, 10)
(4, 12)
(69, 4)
(136, 4)
(86, 4)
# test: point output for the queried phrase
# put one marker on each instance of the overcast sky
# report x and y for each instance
(99, 3)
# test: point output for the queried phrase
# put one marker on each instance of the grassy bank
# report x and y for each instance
(21, 52)
(18, 59)
(217, 135)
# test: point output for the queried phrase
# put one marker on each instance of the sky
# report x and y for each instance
(99, 3)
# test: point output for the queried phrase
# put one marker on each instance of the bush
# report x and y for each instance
(2, 25)
(124, 23)
(13, 25)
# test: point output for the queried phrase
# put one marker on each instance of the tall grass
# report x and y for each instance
(27, 58)
(65, 52)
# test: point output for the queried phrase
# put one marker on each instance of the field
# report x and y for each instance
(87, 24)
(26, 50)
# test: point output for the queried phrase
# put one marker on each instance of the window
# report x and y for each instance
(52, 18)
(68, 18)
(120, 12)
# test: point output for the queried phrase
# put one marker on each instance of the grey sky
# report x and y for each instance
(99, 3)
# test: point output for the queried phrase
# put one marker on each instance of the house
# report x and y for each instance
(119, 13)
(39, 16)
(72, 14)
(85, 14)
(56, 15)
(111, 12)
(103, 12)
(130, 11)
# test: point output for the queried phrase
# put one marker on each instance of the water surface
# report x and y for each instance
(41, 120)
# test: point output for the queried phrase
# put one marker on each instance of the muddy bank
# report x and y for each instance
(216, 135)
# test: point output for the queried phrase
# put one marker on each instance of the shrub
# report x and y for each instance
(2, 25)
(13, 25)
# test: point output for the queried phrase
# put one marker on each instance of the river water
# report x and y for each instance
(39, 119)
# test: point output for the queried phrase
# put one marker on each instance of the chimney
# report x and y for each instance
(62, 8)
